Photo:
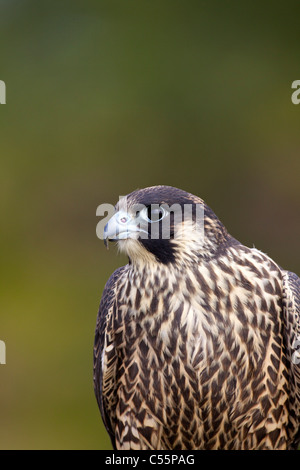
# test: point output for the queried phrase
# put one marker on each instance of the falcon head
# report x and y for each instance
(163, 224)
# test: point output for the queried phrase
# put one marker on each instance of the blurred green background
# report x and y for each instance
(104, 97)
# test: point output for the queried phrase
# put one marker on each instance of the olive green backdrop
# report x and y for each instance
(104, 97)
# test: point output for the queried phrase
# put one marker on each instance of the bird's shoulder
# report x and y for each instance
(104, 353)
(107, 299)
(240, 260)
(291, 311)
(291, 283)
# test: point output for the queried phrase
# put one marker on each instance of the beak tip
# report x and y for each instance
(105, 241)
(105, 237)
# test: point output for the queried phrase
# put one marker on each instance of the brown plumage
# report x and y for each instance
(197, 338)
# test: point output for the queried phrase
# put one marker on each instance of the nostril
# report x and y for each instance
(123, 220)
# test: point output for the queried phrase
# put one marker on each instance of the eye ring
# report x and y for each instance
(123, 219)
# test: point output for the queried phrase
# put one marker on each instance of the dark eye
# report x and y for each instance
(153, 214)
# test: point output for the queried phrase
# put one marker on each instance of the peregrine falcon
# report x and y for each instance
(197, 342)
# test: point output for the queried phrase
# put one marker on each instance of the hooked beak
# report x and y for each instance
(120, 227)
